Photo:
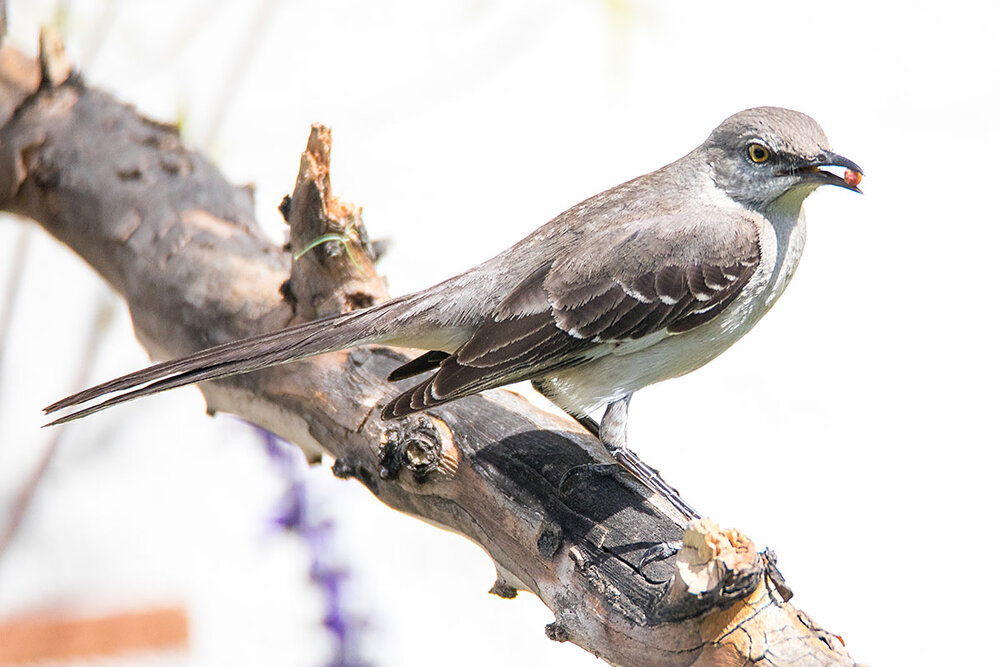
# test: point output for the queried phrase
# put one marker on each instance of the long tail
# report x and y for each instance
(242, 356)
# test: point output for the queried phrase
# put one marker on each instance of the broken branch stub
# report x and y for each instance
(333, 268)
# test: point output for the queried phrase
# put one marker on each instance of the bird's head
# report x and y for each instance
(765, 155)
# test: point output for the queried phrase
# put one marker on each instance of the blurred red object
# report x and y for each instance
(57, 636)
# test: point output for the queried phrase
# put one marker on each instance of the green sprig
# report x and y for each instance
(339, 238)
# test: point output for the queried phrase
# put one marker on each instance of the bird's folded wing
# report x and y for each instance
(664, 281)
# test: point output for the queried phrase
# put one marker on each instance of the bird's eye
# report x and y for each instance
(758, 153)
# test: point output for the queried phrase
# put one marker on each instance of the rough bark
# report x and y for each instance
(180, 244)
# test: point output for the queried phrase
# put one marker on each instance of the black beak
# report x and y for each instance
(810, 171)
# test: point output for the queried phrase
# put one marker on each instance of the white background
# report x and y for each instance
(853, 431)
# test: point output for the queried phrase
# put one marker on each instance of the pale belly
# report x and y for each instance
(585, 388)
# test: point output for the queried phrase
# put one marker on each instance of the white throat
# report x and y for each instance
(787, 219)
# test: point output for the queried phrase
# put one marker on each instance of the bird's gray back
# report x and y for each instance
(671, 215)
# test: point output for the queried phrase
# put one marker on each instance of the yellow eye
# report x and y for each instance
(758, 153)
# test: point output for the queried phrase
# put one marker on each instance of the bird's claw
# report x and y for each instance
(657, 553)
(661, 551)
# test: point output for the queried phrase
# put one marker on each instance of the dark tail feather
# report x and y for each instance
(242, 356)
(419, 366)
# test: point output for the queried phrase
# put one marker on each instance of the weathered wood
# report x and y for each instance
(180, 244)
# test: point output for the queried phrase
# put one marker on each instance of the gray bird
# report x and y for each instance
(644, 282)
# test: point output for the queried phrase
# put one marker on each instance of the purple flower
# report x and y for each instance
(300, 511)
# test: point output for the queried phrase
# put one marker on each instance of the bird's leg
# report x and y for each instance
(613, 434)
(614, 425)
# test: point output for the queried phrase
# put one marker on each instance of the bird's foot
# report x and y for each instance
(777, 579)
(661, 551)
(650, 477)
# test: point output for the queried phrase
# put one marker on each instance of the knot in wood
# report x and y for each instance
(43, 167)
(285, 208)
(419, 443)
(557, 632)
(550, 538)
(502, 590)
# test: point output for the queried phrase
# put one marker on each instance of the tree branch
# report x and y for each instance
(180, 244)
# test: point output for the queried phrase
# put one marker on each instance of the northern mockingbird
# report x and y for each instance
(644, 282)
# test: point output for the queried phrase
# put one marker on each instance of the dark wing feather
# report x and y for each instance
(674, 298)
(498, 353)
(560, 314)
